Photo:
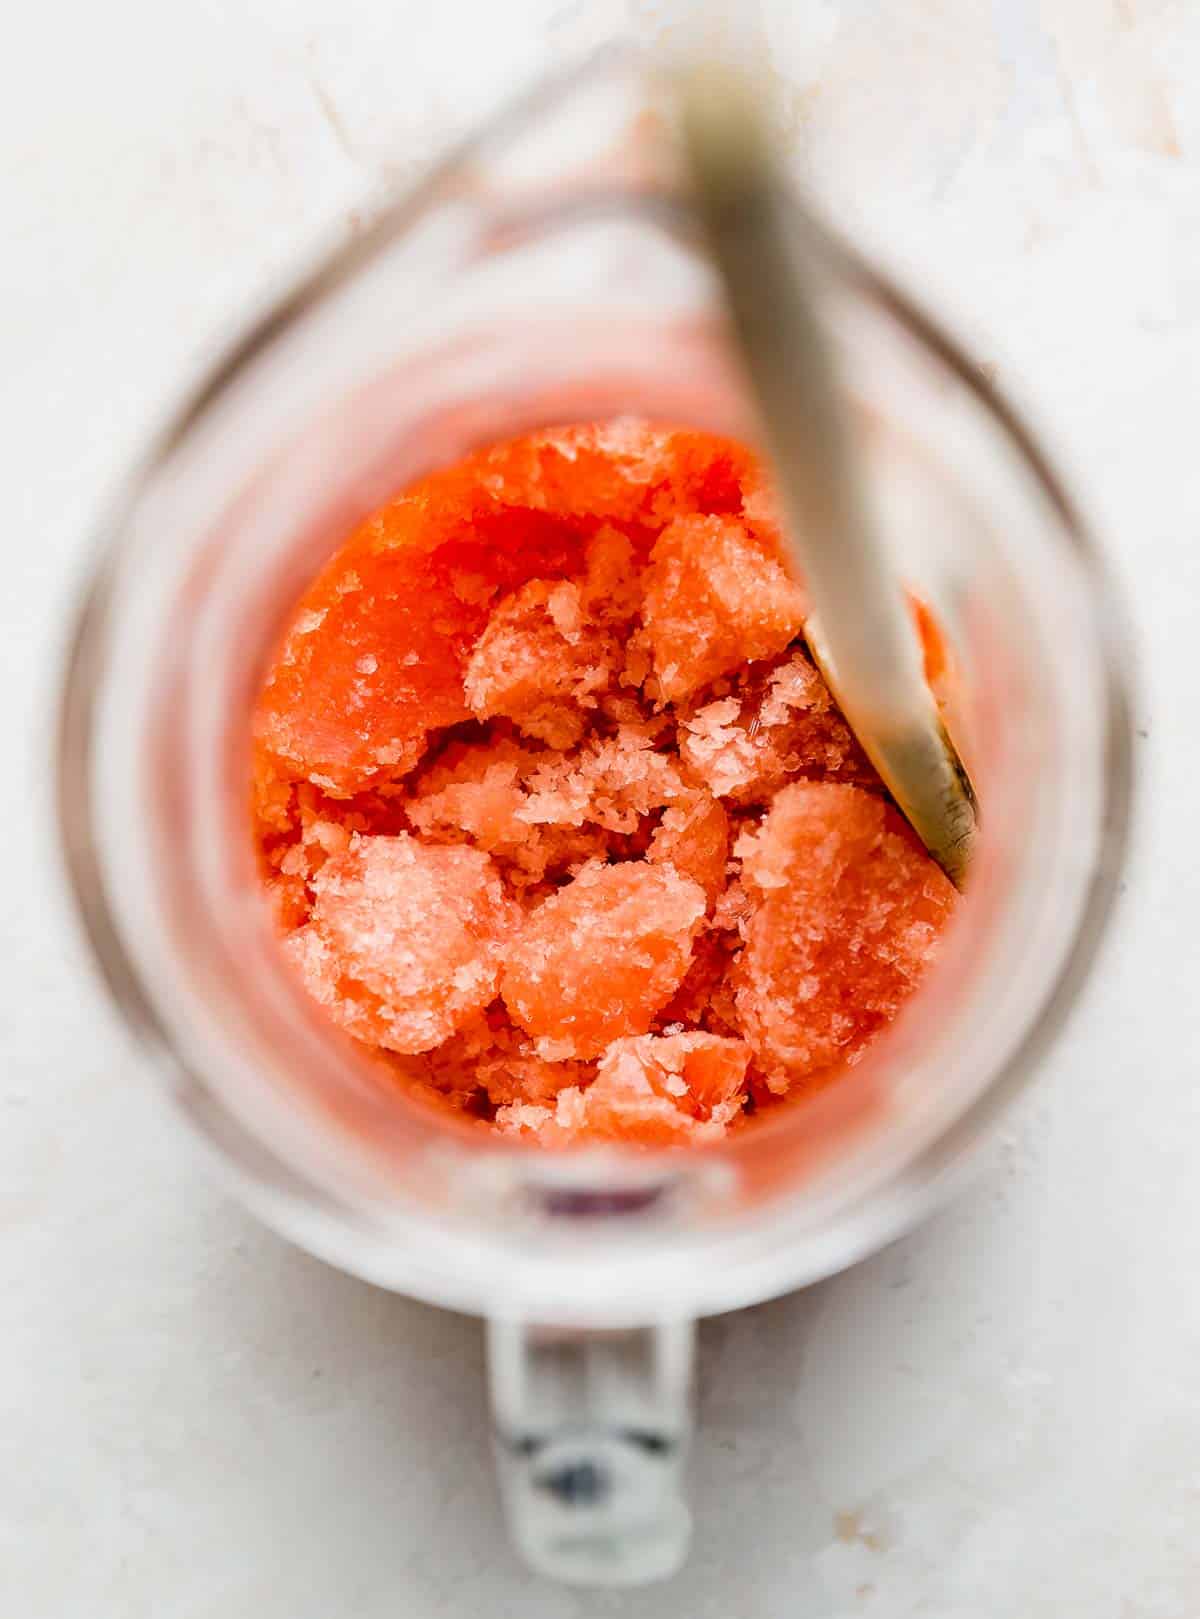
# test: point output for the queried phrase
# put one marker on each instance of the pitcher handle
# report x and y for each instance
(591, 1432)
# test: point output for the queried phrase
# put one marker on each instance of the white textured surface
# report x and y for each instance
(997, 1417)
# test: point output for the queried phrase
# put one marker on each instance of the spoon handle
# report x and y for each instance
(861, 632)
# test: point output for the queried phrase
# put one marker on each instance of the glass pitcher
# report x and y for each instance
(550, 270)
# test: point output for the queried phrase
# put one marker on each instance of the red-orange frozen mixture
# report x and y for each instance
(555, 812)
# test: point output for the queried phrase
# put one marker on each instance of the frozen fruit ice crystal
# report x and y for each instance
(714, 598)
(657, 1090)
(849, 914)
(540, 661)
(543, 813)
(489, 1063)
(778, 724)
(599, 957)
(405, 940)
(613, 781)
(693, 836)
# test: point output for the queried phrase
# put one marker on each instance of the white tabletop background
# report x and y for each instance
(999, 1416)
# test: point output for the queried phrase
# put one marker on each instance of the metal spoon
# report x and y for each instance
(861, 632)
